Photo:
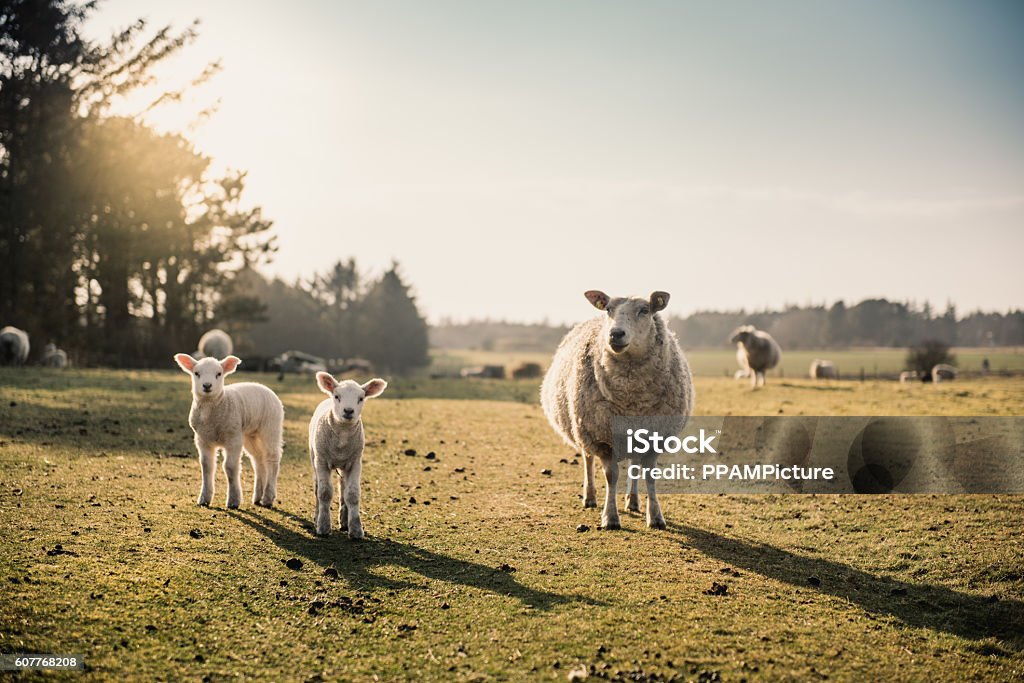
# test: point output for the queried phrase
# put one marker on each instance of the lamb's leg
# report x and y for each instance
(271, 441)
(753, 380)
(208, 466)
(324, 494)
(258, 457)
(351, 498)
(342, 510)
(633, 492)
(610, 515)
(655, 519)
(589, 490)
(233, 472)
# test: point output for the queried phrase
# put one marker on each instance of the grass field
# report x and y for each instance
(473, 569)
(795, 364)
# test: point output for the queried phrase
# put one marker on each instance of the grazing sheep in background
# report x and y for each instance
(943, 371)
(823, 369)
(54, 357)
(909, 376)
(527, 371)
(624, 363)
(336, 445)
(240, 416)
(215, 344)
(14, 346)
(756, 352)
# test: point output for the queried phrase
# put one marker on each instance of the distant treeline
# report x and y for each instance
(335, 315)
(872, 322)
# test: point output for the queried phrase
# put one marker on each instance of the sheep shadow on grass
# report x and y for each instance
(936, 608)
(355, 560)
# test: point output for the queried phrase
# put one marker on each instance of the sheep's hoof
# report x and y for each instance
(232, 507)
(611, 526)
(322, 534)
(633, 503)
(589, 504)
(657, 524)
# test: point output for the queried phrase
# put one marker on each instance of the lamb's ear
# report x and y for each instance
(375, 387)
(659, 300)
(326, 383)
(230, 364)
(185, 362)
(597, 298)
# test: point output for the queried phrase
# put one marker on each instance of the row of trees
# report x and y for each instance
(121, 245)
(873, 322)
(115, 240)
(335, 314)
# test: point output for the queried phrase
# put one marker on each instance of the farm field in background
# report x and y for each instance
(473, 569)
(722, 362)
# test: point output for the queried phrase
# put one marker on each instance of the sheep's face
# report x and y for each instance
(742, 336)
(348, 397)
(207, 374)
(630, 322)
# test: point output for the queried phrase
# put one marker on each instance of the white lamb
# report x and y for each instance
(244, 416)
(54, 357)
(336, 445)
(14, 346)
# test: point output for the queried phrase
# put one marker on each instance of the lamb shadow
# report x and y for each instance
(923, 606)
(355, 560)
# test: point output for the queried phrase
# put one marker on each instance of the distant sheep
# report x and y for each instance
(626, 362)
(54, 357)
(216, 344)
(336, 445)
(240, 416)
(823, 369)
(527, 371)
(756, 353)
(943, 372)
(14, 346)
(909, 376)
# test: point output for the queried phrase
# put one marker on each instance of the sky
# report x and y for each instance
(511, 155)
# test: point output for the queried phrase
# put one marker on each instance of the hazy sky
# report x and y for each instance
(512, 155)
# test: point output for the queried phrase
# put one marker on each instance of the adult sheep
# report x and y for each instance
(823, 369)
(624, 363)
(756, 352)
(54, 357)
(942, 371)
(14, 346)
(216, 344)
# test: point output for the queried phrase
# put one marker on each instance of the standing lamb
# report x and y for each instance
(336, 444)
(624, 363)
(14, 346)
(943, 371)
(215, 344)
(823, 369)
(54, 357)
(241, 416)
(756, 352)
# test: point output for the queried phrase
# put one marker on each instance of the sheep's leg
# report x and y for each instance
(208, 466)
(589, 490)
(233, 472)
(351, 498)
(655, 519)
(753, 380)
(258, 457)
(610, 515)
(342, 510)
(633, 492)
(271, 442)
(324, 494)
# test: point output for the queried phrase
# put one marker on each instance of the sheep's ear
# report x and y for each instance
(185, 362)
(597, 298)
(326, 383)
(375, 387)
(230, 364)
(659, 300)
